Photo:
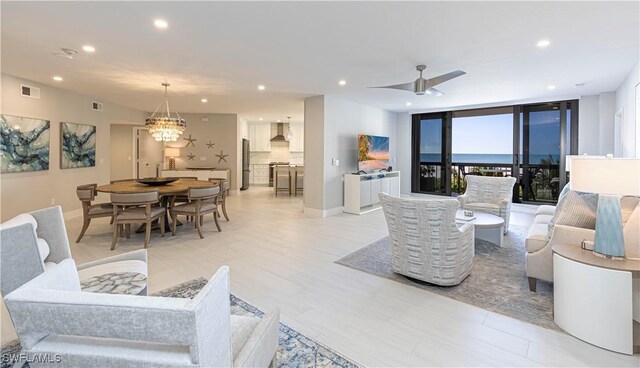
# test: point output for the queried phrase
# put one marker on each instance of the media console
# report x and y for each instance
(361, 190)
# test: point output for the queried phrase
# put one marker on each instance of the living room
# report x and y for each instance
(456, 186)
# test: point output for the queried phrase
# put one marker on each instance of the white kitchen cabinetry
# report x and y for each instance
(259, 174)
(260, 137)
(296, 144)
(361, 191)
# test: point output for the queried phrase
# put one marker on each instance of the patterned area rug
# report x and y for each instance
(497, 281)
(294, 350)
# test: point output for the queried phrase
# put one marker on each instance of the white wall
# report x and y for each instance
(597, 133)
(341, 122)
(314, 188)
(626, 99)
(23, 192)
(403, 150)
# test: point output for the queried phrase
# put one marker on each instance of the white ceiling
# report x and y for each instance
(222, 51)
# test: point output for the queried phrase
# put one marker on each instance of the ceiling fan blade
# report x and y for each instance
(404, 87)
(432, 82)
(434, 92)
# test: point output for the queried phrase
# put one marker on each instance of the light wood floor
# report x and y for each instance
(280, 258)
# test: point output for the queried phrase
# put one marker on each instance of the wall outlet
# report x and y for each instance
(203, 158)
(53, 201)
(129, 158)
(335, 162)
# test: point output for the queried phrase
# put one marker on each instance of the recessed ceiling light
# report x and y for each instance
(160, 23)
(551, 87)
(408, 104)
(260, 119)
(279, 120)
(342, 82)
(543, 43)
(88, 48)
(261, 87)
(57, 78)
(204, 100)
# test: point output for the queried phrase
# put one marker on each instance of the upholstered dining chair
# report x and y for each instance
(53, 318)
(202, 201)
(282, 179)
(426, 242)
(136, 208)
(87, 194)
(489, 195)
(222, 196)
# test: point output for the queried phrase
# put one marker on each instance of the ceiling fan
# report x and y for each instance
(423, 86)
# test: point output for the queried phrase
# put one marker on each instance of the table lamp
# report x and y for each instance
(610, 178)
(172, 153)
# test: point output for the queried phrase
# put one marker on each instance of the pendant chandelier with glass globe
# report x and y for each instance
(164, 127)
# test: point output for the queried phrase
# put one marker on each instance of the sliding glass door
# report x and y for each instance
(431, 160)
(528, 142)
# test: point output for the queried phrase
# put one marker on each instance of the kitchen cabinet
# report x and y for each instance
(296, 144)
(259, 174)
(260, 137)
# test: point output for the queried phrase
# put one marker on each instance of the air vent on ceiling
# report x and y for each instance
(28, 91)
(96, 106)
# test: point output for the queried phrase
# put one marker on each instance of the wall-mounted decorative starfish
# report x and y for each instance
(190, 141)
(210, 145)
(191, 156)
(221, 157)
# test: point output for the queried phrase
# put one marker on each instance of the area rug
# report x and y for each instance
(497, 281)
(294, 350)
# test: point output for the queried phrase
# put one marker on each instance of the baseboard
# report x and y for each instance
(72, 214)
(314, 212)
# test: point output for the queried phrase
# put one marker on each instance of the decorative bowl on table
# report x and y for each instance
(156, 181)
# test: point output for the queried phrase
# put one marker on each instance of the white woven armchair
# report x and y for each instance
(489, 195)
(426, 242)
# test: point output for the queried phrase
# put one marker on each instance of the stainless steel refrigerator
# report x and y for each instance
(245, 164)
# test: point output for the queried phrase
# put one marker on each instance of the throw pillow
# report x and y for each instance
(577, 210)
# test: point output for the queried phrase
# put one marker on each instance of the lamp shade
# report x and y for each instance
(171, 152)
(615, 176)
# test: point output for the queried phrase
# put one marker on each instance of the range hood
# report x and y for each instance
(280, 135)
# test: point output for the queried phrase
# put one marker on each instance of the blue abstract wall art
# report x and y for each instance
(24, 144)
(78, 145)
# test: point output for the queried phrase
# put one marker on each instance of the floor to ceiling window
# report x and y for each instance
(529, 142)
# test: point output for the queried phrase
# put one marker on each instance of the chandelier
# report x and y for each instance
(164, 127)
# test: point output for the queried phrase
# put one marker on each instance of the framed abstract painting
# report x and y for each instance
(24, 144)
(77, 145)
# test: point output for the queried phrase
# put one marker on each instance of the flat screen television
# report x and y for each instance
(373, 153)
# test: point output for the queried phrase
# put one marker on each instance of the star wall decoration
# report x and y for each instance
(191, 156)
(210, 145)
(190, 141)
(221, 157)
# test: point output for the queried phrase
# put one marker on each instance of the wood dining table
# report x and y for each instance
(180, 186)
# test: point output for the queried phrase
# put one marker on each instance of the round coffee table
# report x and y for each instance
(488, 227)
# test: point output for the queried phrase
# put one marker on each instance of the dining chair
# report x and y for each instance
(201, 202)
(87, 194)
(222, 196)
(282, 179)
(298, 180)
(136, 208)
(120, 180)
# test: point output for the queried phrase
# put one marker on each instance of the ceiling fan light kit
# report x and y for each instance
(423, 86)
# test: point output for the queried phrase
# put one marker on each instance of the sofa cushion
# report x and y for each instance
(25, 218)
(537, 238)
(241, 329)
(575, 209)
(542, 219)
(545, 209)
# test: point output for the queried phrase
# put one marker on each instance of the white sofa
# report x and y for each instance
(54, 318)
(489, 195)
(538, 244)
(426, 242)
(35, 241)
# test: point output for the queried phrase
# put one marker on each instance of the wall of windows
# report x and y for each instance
(529, 142)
